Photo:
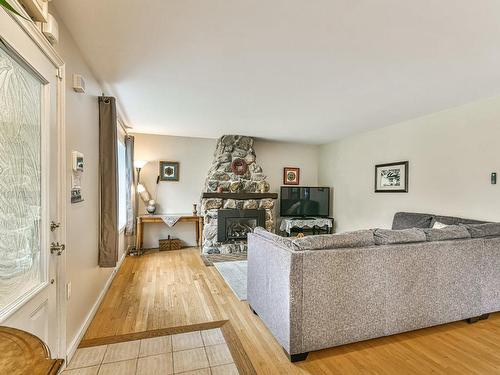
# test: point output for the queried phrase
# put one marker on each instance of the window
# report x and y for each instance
(21, 209)
(122, 183)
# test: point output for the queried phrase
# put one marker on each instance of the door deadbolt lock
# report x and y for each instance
(56, 247)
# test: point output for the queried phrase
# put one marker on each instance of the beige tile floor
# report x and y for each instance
(193, 353)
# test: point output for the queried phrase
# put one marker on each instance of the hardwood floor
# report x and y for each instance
(174, 288)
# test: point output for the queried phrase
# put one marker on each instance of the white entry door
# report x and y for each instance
(30, 187)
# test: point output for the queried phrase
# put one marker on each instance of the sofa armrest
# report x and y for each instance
(275, 289)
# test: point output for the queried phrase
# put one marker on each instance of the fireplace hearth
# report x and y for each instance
(236, 224)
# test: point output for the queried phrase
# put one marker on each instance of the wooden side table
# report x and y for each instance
(141, 220)
(23, 353)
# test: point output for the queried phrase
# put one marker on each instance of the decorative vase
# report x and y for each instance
(151, 207)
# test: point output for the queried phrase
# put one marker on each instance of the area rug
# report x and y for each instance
(235, 275)
(210, 259)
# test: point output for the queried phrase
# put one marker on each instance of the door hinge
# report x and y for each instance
(57, 248)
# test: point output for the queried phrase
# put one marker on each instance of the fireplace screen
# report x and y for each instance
(236, 224)
(238, 228)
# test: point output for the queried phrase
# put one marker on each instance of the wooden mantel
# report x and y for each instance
(241, 196)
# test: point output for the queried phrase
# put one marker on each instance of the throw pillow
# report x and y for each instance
(439, 225)
(388, 236)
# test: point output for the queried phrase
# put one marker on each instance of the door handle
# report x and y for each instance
(56, 247)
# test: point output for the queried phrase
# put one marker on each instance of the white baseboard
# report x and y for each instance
(81, 332)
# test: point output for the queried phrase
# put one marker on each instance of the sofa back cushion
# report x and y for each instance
(360, 238)
(483, 230)
(452, 220)
(278, 240)
(407, 220)
(450, 232)
(388, 236)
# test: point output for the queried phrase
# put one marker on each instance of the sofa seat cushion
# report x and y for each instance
(448, 232)
(360, 238)
(483, 230)
(388, 236)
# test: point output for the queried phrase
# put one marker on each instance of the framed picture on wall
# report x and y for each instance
(391, 177)
(169, 171)
(291, 176)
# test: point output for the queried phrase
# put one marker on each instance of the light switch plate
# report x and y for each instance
(494, 178)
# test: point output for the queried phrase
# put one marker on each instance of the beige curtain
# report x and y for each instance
(129, 156)
(108, 176)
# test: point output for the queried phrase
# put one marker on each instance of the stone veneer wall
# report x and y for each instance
(221, 177)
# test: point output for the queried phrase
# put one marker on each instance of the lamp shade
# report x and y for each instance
(140, 163)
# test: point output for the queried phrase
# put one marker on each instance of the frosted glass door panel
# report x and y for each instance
(20, 181)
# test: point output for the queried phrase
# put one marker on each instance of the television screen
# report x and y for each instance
(305, 201)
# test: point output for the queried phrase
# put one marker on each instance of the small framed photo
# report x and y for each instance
(169, 171)
(291, 176)
(391, 178)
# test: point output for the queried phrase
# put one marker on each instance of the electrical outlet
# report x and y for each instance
(68, 291)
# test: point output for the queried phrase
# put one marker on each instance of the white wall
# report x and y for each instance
(274, 156)
(87, 279)
(451, 155)
(195, 158)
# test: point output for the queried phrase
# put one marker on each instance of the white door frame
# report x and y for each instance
(46, 48)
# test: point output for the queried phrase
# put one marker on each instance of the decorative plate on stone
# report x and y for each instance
(239, 166)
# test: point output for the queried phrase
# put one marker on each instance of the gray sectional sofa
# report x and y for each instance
(323, 291)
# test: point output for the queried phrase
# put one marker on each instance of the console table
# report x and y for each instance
(317, 223)
(141, 220)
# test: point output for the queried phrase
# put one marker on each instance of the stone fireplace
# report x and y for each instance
(236, 197)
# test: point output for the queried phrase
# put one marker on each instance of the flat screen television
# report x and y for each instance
(305, 201)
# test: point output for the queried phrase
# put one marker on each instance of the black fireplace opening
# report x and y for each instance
(236, 224)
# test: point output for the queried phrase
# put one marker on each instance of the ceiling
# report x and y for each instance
(293, 70)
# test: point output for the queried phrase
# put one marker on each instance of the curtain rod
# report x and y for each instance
(120, 122)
